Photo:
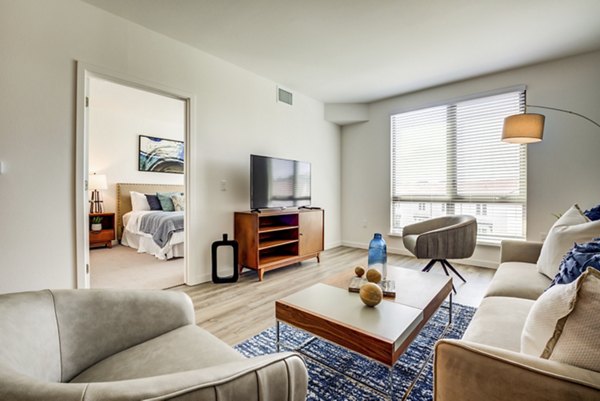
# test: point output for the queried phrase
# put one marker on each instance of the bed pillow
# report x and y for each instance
(178, 202)
(139, 201)
(165, 200)
(571, 227)
(153, 202)
(580, 257)
(563, 324)
(593, 214)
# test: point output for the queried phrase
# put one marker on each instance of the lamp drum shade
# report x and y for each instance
(523, 128)
(97, 181)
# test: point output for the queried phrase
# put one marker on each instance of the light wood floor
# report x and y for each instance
(237, 311)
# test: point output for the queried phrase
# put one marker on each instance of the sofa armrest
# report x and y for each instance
(276, 377)
(466, 371)
(18, 386)
(94, 324)
(520, 251)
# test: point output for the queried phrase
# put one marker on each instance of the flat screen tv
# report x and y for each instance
(278, 183)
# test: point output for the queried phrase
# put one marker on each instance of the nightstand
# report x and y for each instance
(107, 234)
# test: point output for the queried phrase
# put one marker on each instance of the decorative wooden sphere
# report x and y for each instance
(373, 276)
(371, 294)
(359, 271)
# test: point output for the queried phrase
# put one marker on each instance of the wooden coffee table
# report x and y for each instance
(328, 310)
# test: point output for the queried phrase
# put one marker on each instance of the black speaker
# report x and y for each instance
(215, 275)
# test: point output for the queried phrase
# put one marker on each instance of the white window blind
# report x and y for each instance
(449, 159)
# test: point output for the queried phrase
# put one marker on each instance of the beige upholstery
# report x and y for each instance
(520, 251)
(492, 325)
(468, 371)
(518, 279)
(486, 363)
(128, 345)
(448, 237)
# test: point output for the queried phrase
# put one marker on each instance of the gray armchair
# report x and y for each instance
(440, 239)
(128, 345)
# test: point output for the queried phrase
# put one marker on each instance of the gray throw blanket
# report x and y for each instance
(161, 225)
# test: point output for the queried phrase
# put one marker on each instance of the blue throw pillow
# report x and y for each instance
(593, 214)
(153, 202)
(165, 200)
(577, 260)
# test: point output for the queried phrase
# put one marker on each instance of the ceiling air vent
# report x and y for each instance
(284, 96)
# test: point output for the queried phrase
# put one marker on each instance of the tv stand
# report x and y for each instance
(270, 239)
(259, 210)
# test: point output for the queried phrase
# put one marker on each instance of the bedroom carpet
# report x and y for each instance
(412, 377)
(123, 267)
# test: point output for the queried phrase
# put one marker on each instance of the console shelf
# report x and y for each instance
(275, 228)
(274, 243)
(274, 239)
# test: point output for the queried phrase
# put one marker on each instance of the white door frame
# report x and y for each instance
(84, 73)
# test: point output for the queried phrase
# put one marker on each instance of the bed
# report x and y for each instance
(144, 230)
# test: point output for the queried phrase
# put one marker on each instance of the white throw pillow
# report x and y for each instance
(571, 227)
(548, 309)
(139, 201)
(564, 323)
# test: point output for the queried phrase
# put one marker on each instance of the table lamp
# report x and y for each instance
(96, 182)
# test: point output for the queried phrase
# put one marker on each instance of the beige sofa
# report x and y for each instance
(486, 363)
(128, 345)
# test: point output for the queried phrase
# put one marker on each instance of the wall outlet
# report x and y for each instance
(223, 185)
(365, 223)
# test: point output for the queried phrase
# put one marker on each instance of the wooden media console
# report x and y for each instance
(272, 239)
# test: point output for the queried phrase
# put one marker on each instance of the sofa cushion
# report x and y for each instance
(519, 280)
(499, 322)
(594, 213)
(571, 227)
(545, 313)
(186, 348)
(576, 339)
(577, 260)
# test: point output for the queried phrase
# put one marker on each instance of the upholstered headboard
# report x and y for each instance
(124, 198)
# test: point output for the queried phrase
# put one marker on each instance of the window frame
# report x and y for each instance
(451, 196)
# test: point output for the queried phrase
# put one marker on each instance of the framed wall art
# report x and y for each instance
(161, 155)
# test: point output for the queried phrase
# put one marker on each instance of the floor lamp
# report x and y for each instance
(529, 127)
(96, 183)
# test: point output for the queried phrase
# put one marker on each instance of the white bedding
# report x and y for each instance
(134, 238)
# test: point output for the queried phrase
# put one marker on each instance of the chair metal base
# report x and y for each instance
(445, 265)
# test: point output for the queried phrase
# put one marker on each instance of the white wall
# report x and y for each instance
(118, 114)
(562, 170)
(236, 115)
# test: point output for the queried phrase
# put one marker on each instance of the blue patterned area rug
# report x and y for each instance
(412, 377)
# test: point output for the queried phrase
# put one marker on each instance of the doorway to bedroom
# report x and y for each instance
(136, 142)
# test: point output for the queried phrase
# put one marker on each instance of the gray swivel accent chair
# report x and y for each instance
(440, 239)
(113, 345)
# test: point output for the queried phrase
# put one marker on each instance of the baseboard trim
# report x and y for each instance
(399, 251)
(332, 245)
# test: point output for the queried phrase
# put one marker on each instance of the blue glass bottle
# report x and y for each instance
(378, 254)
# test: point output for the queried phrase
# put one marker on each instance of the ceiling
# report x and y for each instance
(353, 51)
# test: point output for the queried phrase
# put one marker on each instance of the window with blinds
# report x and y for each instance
(449, 159)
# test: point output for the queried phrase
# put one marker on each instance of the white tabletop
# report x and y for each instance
(388, 320)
